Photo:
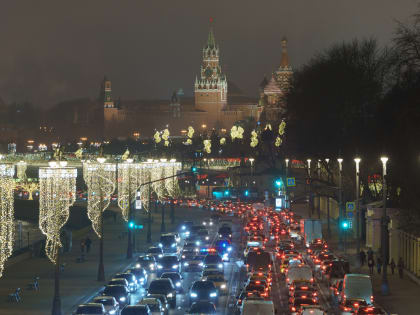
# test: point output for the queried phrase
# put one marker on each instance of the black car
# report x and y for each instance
(155, 252)
(90, 308)
(147, 261)
(168, 243)
(203, 291)
(136, 310)
(165, 287)
(168, 264)
(176, 279)
(225, 232)
(140, 274)
(131, 279)
(119, 292)
(214, 261)
(202, 307)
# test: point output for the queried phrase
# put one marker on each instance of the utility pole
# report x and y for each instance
(340, 202)
(357, 161)
(328, 201)
(385, 236)
(310, 189)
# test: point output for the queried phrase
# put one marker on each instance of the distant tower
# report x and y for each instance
(106, 91)
(110, 110)
(210, 89)
(284, 72)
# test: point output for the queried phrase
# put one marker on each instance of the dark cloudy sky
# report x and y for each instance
(55, 50)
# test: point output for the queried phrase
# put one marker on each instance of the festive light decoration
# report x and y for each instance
(222, 141)
(171, 184)
(145, 190)
(236, 132)
(57, 194)
(7, 172)
(188, 142)
(254, 139)
(157, 137)
(157, 172)
(278, 141)
(21, 167)
(165, 135)
(128, 183)
(268, 126)
(100, 181)
(126, 154)
(190, 132)
(282, 127)
(207, 146)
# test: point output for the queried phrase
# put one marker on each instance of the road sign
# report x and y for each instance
(138, 204)
(291, 182)
(350, 206)
(349, 214)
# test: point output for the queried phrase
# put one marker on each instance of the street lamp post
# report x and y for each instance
(287, 174)
(328, 201)
(384, 225)
(310, 188)
(357, 217)
(319, 195)
(340, 201)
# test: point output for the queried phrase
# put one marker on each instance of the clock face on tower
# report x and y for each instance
(208, 72)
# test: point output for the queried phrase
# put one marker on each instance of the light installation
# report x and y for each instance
(128, 182)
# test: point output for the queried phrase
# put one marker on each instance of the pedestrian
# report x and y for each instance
(401, 267)
(362, 256)
(370, 253)
(371, 264)
(392, 265)
(82, 249)
(88, 242)
(379, 265)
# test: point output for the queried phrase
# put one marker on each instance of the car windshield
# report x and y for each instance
(114, 290)
(104, 301)
(144, 259)
(137, 310)
(167, 239)
(160, 285)
(203, 308)
(225, 230)
(155, 250)
(169, 260)
(172, 276)
(128, 276)
(203, 285)
(217, 278)
(212, 259)
(254, 287)
(304, 302)
(89, 309)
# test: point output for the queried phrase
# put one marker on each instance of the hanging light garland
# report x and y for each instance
(7, 171)
(145, 190)
(207, 146)
(57, 194)
(157, 172)
(254, 139)
(127, 185)
(171, 184)
(100, 180)
(21, 167)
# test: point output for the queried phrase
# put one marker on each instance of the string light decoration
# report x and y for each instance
(100, 181)
(254, 139)
(236, 132)
(7, 171)
(145, 190)
(21, 167)
(171, 184)
(157, 137)
(165, 137)
(222, 141)
(157, 173)
(207, 146)
(56, 194)
(128, 182)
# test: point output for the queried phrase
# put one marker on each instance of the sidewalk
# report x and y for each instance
(78, 280)
(404, 293)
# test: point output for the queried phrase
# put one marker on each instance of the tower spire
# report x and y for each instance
(284, 62)
(211, 42)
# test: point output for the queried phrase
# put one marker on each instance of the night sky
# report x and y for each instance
(56, 50)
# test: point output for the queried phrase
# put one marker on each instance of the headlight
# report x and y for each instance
(138, 265)
(207, 238)
(220, 266)
(229, 249)
(160, 255)
(175, 266)
(223, 286)
(178, 284)
(204, 223)
(159, 266)
(183, 256)
(142, 279)
(169, 295)
(213, 294)
(194, 295)
(173, 245)
(160, 245)
(201, 264)
(186, 264)
(122, 299)
(152, 266)
(230, 235)
(183, 227)
(187, 233)
(197, 243)
(112, 312)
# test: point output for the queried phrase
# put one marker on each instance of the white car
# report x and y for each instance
(111, 305)
(312, 310)
(155, 305)
(90, 309)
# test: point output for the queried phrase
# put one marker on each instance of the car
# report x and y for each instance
(203, 290)
(370, 310)
(155, 306)
(202, 307)
(219, 281)
(131, 279)
(261, 289)
(163, 286)
(119, 281)
(208, 222)
(176, 279)
(168, 264)
(156, 252)
(136, 310)
(351, 306)
(185, 228)
(299, 302)
(213, 261)
(112, 307)
(312, 310)
(120, 292)
(146, 261)
(168, 243)
(163, 301)
(257, 306)
(140, 274)
(195, 263)
(225, 232)
(90, 309)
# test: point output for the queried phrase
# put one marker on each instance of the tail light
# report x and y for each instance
(371, 298)
(293, 309)
(356, 304)
(315, 294)
(347, 309)
(312, 279)
(287, 280)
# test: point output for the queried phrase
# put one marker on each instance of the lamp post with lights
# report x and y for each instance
(287, 174)
(340, 200)
(310, 188)
(328, 201)
(357, 217)
(385, 236)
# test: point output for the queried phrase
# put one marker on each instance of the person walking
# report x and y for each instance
(379, 265)
(401, 267)
(362, 256)
(370, 253)
(88, 243)
(392, 264)
(371, 264)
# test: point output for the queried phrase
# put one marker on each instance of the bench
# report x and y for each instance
(15, 297)
(34, 285)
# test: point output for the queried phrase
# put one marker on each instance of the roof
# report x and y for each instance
(272, 87)
(284, 62)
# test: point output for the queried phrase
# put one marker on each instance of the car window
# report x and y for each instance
(203, 285)
(89, 309)
(160, 285)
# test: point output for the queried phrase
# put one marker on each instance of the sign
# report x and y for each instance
(350, 206)
(279, 202)
(138, 204)
(349, 214)
(291, 182)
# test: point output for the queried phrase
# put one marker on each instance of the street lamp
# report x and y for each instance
(340, 201)
(100, 181)
(287, 174)
(310, 188)
(384, 225)
(328, 201)
(56, 194)
(7, 171)
(357, 161)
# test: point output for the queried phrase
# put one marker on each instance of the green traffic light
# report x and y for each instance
(279, 183)
(131, 224)
(345, 225)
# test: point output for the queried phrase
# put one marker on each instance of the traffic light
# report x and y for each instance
(194, 169)
(278, 183)
(227, 192)
(131, 225)
(345, 225)
(246, 193)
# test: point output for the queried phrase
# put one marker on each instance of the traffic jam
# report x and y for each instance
(242, 259)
